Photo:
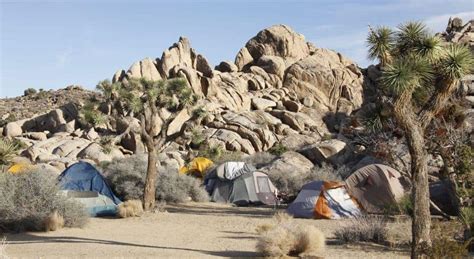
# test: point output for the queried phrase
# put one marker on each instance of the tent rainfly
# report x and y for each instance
(324, 200)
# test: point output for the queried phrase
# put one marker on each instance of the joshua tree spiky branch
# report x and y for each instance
(412, 59)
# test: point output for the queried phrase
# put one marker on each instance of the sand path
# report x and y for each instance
(194, 230)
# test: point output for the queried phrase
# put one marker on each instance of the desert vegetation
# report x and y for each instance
(414, 61)
(127, 178)
(284, 237)
(30, 201)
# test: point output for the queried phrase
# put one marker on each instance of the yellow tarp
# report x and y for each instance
(197, 167)
(18, 168)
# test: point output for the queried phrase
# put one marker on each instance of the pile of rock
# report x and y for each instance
(279, 86)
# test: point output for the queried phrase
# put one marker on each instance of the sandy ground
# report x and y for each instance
(185, 231)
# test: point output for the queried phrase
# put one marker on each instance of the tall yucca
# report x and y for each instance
(456, 61)
(380, 42)
(409, 36)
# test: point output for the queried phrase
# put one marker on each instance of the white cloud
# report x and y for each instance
(438, 23)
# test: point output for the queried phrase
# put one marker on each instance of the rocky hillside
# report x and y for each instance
(281, 91)
(30, 105)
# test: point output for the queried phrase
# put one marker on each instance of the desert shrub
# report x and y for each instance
(327, 172)
(90, 116)
(278, 149)
(199, 112)
(29, 198)
(8, 150)
(363, 229)
(403, 207)
(107, 143)
(260, 159)
(197, 137)
(467, 217)
(29, 91)
(130, 208)
(175, 187)
(284, 237)
(444, 247)
(211, 152)
(127, 178)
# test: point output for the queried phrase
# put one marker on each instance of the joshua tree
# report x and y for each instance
(412, 60)
(150, 101)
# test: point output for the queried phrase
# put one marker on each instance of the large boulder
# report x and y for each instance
(146, 68)
(325, 151)
(12, 129)
(227, 66)
(327, 78)
(278, 40)
(178, 122)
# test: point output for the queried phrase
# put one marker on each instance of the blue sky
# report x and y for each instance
(52, 44)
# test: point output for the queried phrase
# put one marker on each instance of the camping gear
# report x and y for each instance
(375, 186)
(197, 167)
(324, 200)
(240, 184)
(97, 205)
(232, 170)
(83, 177)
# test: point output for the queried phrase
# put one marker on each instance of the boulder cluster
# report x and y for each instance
(280, 89)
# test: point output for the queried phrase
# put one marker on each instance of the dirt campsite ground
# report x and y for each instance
(194, 230)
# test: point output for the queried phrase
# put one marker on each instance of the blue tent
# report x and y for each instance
(83, 176)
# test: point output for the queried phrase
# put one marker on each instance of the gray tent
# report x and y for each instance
(247, 188)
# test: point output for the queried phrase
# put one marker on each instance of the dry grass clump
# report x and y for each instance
(399, 233)
(53, 222)
(130, 208)
(363, 229)
(284, 237)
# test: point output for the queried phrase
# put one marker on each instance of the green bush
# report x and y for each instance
(199, 112)
(28, 198)
(29, 91)
(127, 178)
(107, 143)
(467, 217)
(278, 149)
(403, 207)
(90, 116)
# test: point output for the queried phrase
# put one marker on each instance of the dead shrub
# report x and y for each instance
(363, 229)
(130, 208)
(53, 222)
(285, 237)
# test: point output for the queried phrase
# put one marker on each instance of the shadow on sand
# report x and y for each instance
(252, 212)
(28, 238)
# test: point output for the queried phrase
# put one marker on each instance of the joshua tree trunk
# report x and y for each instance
(420, 196)
(421, 221)
(150, 183)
